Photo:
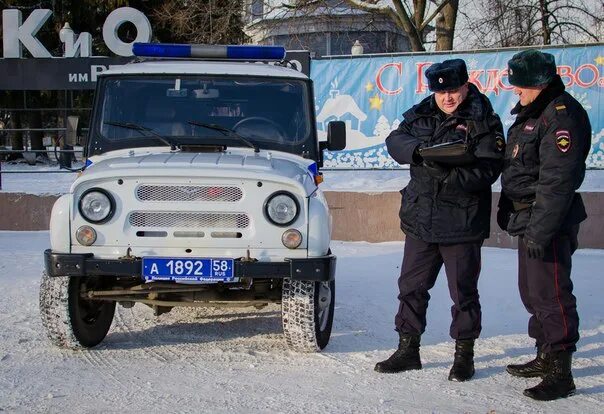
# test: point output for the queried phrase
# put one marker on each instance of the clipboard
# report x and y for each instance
(454, 153)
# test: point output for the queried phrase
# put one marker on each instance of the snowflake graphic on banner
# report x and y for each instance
(596, 157)
(581, 98)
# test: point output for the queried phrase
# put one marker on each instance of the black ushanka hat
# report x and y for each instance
(531, 68)
(447, 75)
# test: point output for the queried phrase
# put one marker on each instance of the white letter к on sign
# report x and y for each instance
(15, 34)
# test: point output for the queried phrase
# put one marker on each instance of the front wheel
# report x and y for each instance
(70, 320)
(307, 313)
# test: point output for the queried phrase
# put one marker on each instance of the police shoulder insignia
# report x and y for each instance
(560, 109)
(563, 141)
(500, 143)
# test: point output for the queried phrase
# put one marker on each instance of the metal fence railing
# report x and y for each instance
(63, 159)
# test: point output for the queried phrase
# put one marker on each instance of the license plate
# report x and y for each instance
(188, 269)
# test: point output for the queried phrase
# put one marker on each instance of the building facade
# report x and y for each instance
(329, 29)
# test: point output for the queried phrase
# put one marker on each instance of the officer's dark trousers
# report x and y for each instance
(421, 263)
(547, 293)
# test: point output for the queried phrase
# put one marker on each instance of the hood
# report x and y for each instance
(237, 164)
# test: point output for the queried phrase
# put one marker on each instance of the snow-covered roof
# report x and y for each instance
(340, 105)
(203, 67)
(285, 9)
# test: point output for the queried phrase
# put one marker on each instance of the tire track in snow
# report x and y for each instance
(125, 328)
(105, 364)
(125, 322)
(109, 367)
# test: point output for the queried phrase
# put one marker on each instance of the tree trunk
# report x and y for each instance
(546, 32)
(445, 26)
(406, 23)
(419, 12)
(416, 43)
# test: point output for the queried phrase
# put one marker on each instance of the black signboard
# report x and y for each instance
(80, 73)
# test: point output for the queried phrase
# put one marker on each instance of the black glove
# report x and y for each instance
(503, 218)
(436, 170)
(504, 212)
(534, 250)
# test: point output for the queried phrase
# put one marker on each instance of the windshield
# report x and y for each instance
(271, 113)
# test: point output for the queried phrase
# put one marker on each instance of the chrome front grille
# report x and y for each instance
(229, 194)
(146, 219)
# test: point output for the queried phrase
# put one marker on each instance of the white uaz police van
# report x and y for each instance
(200, 189)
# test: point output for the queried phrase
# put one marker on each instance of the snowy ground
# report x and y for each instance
(236, 360)
(358, 180)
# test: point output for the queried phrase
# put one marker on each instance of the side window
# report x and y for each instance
(256, 9)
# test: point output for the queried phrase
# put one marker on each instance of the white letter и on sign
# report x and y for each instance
(118, 17)
(74, 48)
(14, 33)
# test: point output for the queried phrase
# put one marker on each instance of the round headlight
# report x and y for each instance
(282, 208)
(96, 205)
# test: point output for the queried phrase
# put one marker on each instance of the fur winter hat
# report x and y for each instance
(447, 75)
(531, 68)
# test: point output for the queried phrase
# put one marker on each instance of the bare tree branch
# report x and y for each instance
(433, 15)
(576, 26)
(497, 23)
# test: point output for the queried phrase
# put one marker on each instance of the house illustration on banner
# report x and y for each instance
(344, 108)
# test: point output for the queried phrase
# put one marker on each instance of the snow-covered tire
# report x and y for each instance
(70, 320)
(307, 314)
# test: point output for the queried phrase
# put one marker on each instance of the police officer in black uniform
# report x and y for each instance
(544, 166)
(445, 211)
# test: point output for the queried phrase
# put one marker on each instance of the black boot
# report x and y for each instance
(405, 358)
(558, 382)
(538, 367)
(463, 364)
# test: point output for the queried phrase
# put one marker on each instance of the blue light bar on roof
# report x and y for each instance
(209, 51)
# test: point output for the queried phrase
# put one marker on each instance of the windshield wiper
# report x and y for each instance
(129, 125)
(226, 132)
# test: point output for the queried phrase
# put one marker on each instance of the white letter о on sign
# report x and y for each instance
(113, 23)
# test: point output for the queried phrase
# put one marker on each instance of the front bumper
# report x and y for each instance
(316, 269)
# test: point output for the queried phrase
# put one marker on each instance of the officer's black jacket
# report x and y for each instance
(544, 165)
(457, 209)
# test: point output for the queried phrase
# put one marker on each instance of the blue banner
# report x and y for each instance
(371, 93)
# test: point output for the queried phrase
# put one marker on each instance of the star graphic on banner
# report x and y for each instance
(599, 60)
(369, 86)
(376, 102)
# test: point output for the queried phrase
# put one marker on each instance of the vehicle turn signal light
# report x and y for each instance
(291, 238)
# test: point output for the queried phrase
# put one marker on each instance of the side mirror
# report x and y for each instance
(336, 136)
